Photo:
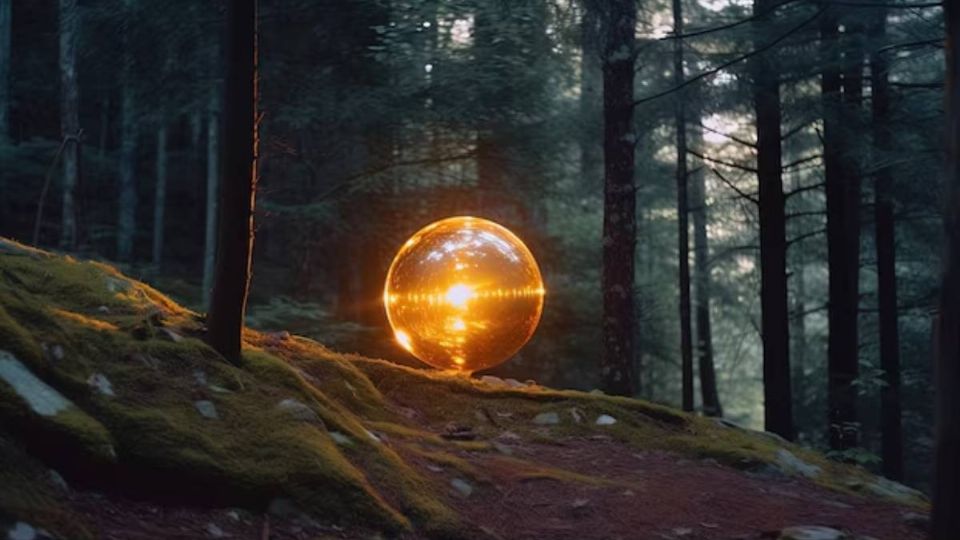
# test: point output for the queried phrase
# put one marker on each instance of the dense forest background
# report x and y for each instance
(380, 116)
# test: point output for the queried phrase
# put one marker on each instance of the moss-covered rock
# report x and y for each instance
(137, 402)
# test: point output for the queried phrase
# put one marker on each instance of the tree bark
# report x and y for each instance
(709, 396)
(619, 206)
(127, 200)
(239, 156)
(6, 26)
(591, 102)
(843, 233)
(213, 191)
(160, 196)
(891, 430)
(945, 522)
(683, 226)
(778, 400)
(69, 119)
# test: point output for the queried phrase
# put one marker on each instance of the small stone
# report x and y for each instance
(117, 285)
(462, 486)
(21, 531)
(580, 507)
(502, 448)
(340, 438)
(215, 531)
(791, 464)
(606, 420)
(492, 381)
(103, 309)
(811, 532)
(101, 383)
(200, 377)
(917, 520)
(57, 352)
(546, 419)
(234, 515)
(577, 415)
(298, 410)
(513, 383)
(206, 409)
(219, 389)
(41, 397)
(171, 335)
(434, 468)
(373, 436)
(528, 382)
(682, 531)
(57, 480)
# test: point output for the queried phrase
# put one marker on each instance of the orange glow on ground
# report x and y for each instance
(463, 293)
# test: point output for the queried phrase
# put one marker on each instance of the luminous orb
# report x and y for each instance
(464, 294)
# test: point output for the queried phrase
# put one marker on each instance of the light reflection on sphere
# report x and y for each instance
(464, 294)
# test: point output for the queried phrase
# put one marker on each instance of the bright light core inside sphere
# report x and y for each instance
(463, 293)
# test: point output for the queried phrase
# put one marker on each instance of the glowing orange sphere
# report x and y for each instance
(463, 293)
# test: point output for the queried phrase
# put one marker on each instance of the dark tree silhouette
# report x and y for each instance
(238, 182)
(683, 206)
(946, 483)
(890, 423)
(619, 18)
(778, 400)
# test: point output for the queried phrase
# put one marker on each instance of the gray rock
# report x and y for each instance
(546, 419)
(170, 335)
(888, 489)
(22, 531)
(340, 438)
(492, 381)
(40, 396)
(215, 531)
(298, 410)
(57, 352)
(103, 309)
(918, 520)
(206, 409)
(791, 464)
(100, 383)
(200, 377)
(606, 420)
(513, 383)
(812, 532)
(57, 480)
(117, 285)
(462, 486)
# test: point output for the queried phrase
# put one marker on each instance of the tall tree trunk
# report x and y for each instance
(127, 201)
(238, 182)
(213, 193)
(946, 479)
(6, 26)
(160, 196)
(619, 205)
(843, 233)
(709, 396)
(778, 400)
(683, 227)
(591, 102)
(69, 119)
(891, 430)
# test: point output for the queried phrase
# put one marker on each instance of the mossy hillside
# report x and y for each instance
(350, 456)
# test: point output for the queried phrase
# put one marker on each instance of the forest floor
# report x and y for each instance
(118, 422)
(632, 495)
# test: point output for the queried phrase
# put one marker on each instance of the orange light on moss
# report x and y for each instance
(463, 293)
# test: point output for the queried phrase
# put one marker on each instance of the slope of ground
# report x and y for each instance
(107, 387)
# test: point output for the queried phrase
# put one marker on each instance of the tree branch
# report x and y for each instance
(733, 186)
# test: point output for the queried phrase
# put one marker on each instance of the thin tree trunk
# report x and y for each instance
(710, 397)
(591, 102)
(69, 119)
(619, 206)
(213, 191)
(946, 484)
(127, 201)
(843, 235)
(778, 400)
(683, 227)
(235, 230)
(160, 196)
(6, 25)
(891, 430)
